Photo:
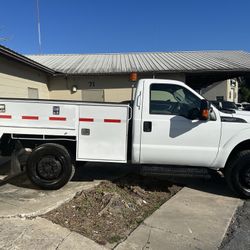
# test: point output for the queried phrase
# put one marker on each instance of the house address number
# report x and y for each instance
(91, 84)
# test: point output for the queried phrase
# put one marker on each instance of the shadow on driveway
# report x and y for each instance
(111, 171)
(216, 184)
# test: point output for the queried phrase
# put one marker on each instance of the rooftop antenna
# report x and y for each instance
(38, 27)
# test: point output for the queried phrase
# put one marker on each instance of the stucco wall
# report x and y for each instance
(15, 78)
(222, 89)
(215, 90)
(116, 88)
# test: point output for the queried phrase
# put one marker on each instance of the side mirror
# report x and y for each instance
(204, 110)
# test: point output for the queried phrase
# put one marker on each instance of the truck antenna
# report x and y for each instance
(39, 27)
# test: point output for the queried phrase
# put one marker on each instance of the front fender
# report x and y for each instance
(227, 146)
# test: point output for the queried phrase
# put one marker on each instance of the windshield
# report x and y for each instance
(229, 105)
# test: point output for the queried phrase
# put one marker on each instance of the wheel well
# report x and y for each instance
(240, 147)
(7, 143)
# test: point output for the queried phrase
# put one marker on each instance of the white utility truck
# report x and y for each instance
(169, 129)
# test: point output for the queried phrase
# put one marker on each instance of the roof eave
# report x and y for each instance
(243, 70)
(18, 57)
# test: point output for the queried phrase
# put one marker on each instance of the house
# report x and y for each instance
(107, 77)
(226, 90)
(20, 77)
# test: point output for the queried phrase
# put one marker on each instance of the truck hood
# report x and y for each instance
(241, 115)
(242, 112)
(245, 117)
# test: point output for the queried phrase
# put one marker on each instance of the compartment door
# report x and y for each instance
(102, 133)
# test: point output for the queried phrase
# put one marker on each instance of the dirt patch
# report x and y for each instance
(110, 211)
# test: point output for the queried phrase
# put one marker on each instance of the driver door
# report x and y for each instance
(171, 130)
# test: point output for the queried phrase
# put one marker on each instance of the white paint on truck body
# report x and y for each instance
(107, 125)
(102, 133)
(174, 140)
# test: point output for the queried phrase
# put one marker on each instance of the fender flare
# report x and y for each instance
(226, 149)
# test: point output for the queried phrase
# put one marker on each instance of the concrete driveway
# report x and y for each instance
(208, 199)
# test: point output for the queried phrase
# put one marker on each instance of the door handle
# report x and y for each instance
(147, 126)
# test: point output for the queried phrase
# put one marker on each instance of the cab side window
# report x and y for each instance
(170, 99)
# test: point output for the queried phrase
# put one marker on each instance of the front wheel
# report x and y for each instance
(237, 174)
(49, 166)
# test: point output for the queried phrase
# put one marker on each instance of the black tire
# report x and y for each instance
(49, 166)
(237, 174)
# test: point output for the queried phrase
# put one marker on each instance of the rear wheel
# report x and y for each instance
(237, 174)
(49, 166)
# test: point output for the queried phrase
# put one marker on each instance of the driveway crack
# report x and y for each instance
(146, 246)
(171, 232)
(11, 244)
(61, 241)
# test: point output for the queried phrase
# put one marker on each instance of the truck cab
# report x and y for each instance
(167, 114)
(169, 128)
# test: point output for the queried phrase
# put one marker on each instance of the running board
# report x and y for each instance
(199, 172)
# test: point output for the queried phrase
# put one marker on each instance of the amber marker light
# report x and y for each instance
(133, 76)
(205, 114)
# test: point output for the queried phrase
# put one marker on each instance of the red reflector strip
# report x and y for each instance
(52, 118)
(28, 117)
(112, 120)
(5, 116)
(86, 119)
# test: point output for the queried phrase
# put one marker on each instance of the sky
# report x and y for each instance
(105, 26)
